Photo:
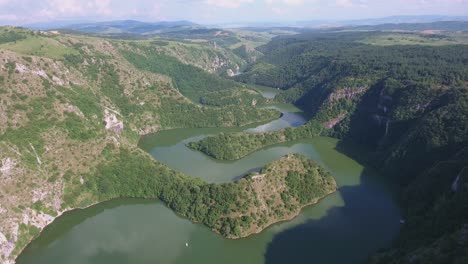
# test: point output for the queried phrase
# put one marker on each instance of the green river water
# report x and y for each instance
(345, 227)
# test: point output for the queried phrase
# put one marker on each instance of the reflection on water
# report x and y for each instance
(169, 147)
(288, 119)
(267, 92)
(342, 228)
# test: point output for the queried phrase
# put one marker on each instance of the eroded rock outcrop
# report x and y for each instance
(335, 121)
(112, 122)
(7, 167)
(346, 93)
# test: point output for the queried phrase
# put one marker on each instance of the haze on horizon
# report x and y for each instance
(21, 12)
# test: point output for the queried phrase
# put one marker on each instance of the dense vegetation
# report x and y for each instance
(327, 74)
(435, 205)
(7, 35)
(191, 81)
(238, 97)
(72, 107)
(237, 145)
(231, 209)
(171, 113)
(407, 104)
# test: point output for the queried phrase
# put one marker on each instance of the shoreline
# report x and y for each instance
(69, 210)
(283, 220)
(291, 217)
(59, 214)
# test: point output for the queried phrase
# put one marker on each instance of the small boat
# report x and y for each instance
(186, 244)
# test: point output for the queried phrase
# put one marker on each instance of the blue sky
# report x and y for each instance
(17, 12)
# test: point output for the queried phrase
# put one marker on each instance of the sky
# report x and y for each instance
(19, 12)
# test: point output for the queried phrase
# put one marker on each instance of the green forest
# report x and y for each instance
(407, 104)
(230, 209)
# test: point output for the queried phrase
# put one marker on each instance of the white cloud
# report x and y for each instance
(344, 3)
(278, 11)
(27, 11)
(352, 3)
(57, 9)
(293, 2)
(228, 3)
(4, 2)
(72, 7)
(286, 2)
(8, 17)
(103, 7)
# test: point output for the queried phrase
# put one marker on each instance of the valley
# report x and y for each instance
(248, 144)
(362, 197)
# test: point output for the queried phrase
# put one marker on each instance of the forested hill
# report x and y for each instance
(402, 95)
(73, 107)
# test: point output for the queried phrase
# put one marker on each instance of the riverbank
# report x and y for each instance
(24, 237)
(252, 205)
(277, 193)
(143, 224)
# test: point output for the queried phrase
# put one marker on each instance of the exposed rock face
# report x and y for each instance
(21, 68)
(73, 109)
(346, 93)
(112, 122)
(58, 81)
(232, 73)
(217, 63)
(7, 166)
(8, 245)
(40, 72)
(37, 219)
(148, 130)
(335, 121)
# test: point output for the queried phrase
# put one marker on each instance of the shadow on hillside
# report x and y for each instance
(369, 220)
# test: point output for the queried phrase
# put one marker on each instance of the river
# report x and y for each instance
(345, 227)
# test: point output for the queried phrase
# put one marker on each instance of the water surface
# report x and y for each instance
(345, 227)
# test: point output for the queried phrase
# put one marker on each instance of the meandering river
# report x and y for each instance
(345, 227)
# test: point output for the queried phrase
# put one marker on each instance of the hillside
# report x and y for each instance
(73, 103)
(73, 107)
(130, 27)
(238, 45)
(277, 193)
(407, 103)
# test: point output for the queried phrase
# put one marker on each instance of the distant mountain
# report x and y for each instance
(438, 26)
(441, 25)
(130, 27)
(354, 22)
(405, 19)
(185, 29)
(115, 27)
(54, 24)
